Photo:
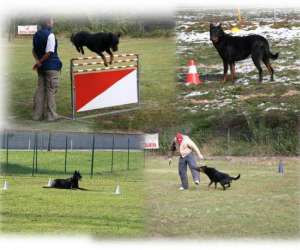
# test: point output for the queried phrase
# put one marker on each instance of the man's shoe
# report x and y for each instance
(181, 188)
(197, 182)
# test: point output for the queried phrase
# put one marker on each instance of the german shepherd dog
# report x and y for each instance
(70, 183)
(216, 176)
(97, 42)
(237, 48)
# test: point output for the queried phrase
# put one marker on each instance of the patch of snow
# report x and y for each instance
(297, 62)
(281, 34)
(196, 93)
(275, 108)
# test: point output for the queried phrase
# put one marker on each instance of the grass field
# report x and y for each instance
(157, 57)
(26, 207)
(262, 204)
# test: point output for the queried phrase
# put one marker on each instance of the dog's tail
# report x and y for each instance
(236, 178)
(273, 56)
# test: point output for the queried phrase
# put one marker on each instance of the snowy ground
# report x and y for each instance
(193, 43)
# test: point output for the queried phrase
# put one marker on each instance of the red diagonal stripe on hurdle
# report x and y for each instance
(90, 85)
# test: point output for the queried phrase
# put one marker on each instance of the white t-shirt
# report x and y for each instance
(50, 47)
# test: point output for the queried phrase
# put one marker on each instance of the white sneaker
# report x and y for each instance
(197, 182)
(181, 188)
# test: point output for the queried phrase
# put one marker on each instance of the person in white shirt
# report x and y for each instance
(48, 65)
(186, 147)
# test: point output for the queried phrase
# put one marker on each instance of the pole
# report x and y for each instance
(112, 153)
(93, 152)
(228, 141)
(128, 153)
(29, 143)
(7, 136)
(49, 142)
(72, 90)
(33, 157)
(66, 154)
(36, 153)
(144, 157)
(138, 77)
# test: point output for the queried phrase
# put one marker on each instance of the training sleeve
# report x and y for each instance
(50, 47)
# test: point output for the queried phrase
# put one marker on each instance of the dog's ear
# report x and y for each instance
(211, 25)
(220, 25)
(118, 34)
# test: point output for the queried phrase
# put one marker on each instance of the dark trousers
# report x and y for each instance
(182, 169)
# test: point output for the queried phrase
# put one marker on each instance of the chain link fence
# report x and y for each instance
(29, 152)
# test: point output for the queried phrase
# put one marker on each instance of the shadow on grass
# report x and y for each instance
(12, 168)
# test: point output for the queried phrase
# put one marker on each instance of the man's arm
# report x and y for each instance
(171, 151)
(40, 62)
(50, 48)
(194, 147)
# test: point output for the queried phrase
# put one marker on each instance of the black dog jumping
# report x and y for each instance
(97, 42)
(216, 176)
(236, 48)
(70, 183)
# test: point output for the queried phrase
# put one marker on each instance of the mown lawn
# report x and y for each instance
(157, 89)
(27, 208)
(261, 204)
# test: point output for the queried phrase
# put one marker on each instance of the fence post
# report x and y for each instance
(33, 157)
(112, 153)
(66, 154)
(144, 157)
(29, 143)
(228, 141)
(93, 151)
(128, 147)
(36, 153)
(7, 136)
(49, 142)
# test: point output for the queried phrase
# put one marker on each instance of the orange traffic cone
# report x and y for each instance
(192, 76)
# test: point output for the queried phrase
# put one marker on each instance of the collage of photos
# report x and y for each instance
(183, 125)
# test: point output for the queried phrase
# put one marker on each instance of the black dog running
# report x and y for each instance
(97, 42)
(216, 176)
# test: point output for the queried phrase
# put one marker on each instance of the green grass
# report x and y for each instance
(262, 204)
(28, 208)
(53, 162)
(157, 57)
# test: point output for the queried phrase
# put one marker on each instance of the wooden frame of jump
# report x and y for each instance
(121, 61)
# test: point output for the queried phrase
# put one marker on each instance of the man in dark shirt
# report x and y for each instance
(48, 66)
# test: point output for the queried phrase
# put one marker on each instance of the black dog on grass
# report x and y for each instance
(236, 48)
(216, 176)
(97, 42)
(70, 183)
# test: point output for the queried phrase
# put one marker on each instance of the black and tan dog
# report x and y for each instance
(237, 48)
(70, 183)
(216, 176)
(97, 42)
